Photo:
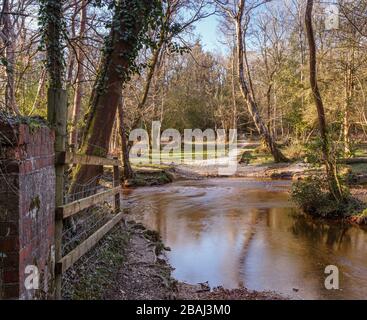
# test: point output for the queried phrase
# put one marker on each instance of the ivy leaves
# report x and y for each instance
(52, 27)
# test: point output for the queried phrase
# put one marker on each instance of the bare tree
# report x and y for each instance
(331, 170)
(236, 11)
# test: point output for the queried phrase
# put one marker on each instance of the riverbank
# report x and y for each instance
(130, 264)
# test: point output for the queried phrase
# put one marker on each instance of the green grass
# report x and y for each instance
(255, 156)
(261, 159)
(360, 153)
(358, 168)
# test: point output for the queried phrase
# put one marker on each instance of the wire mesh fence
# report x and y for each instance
(78, 228)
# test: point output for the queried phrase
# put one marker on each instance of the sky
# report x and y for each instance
(207, 30)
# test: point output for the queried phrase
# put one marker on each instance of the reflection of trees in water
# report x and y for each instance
(318, 231)
(256, 215)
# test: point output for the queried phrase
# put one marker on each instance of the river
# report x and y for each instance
(234, 232)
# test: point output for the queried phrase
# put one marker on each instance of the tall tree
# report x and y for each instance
(131, 19)
(171, 25)
(331, 169)
(237, 15)
(80, 76)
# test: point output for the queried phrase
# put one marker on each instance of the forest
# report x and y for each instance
(289, 77)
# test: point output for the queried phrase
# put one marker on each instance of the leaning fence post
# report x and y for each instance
(116, 183)
(57, 117)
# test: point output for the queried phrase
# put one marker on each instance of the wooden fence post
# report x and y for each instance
(116, 183)
(57, 117)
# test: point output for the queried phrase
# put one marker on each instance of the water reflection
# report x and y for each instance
(239, 232)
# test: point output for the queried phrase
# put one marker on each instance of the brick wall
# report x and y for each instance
(27, 206)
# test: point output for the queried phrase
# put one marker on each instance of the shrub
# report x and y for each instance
(361, 218)
(295, 151)
(313, 197)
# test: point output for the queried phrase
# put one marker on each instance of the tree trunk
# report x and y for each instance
(233, 85)
(39, 92)
(9, 41)
(52, 37)
(116, 62)
(248, 94)
(349, 74)
(56, 109)
(80, 78)
(331, 169)
(128, 171)
(72, 54)
(268, 106)
(269, 77)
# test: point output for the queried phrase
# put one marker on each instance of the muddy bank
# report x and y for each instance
(130, 264)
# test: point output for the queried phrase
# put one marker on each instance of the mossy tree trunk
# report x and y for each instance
(121, 49)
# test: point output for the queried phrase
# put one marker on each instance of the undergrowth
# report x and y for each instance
(90, 279)
(313, 197)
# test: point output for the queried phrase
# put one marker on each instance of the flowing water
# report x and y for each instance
(234, 232)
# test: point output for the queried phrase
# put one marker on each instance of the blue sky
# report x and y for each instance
(207, 29)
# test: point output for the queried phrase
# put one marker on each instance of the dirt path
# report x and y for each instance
(146, 275)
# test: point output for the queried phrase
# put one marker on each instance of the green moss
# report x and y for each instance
(34, 123)
(143, 179)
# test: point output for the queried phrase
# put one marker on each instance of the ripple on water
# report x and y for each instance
(234, 232)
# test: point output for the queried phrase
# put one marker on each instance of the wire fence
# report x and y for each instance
(81, 227)
(86, 222)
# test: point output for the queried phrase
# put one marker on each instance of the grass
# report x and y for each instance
(143, 179)
(89, 280)
(261, 159)
(254, 156)
(358, 168)
(360, 153)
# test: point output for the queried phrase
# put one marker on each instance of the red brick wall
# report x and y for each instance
(27, 206)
